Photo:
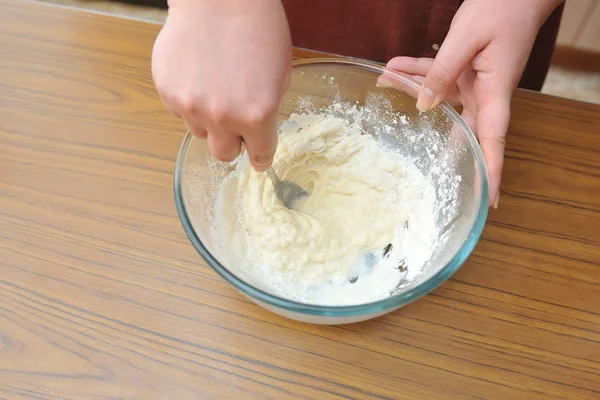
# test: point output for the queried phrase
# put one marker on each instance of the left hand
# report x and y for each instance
(481, 62)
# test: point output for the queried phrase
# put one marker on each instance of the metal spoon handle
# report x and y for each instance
(273, 176)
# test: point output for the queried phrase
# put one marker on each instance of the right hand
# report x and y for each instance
(223, 67)
(481, 61)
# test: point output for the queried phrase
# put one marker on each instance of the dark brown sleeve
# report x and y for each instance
(541, 54)
(379, 30)
(370, 29)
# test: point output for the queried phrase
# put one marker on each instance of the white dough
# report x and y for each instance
(361, 197)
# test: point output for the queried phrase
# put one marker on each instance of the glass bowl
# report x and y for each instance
(442, 146)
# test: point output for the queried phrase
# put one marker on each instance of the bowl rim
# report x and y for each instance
(376, 307)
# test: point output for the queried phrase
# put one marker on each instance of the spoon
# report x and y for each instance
(367, 261)
(287, 192)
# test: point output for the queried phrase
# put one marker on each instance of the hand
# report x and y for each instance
(481, 62)
(223, 67)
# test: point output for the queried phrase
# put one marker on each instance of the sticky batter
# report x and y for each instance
(362, 196)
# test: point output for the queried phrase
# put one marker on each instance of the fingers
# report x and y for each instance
(260, 141)
(202, 134)
(261, 146)
(470, 119)
(224, 146)
(455, 55)
(260, 137)
(417, 69)
(194, 127)
(492, 124)
(410, 65)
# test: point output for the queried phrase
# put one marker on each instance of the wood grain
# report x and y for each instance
(103, 297)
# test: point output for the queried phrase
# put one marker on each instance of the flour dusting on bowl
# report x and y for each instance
(366, 198)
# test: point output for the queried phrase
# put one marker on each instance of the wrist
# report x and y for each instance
(544, 8)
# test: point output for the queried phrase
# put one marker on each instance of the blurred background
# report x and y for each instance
(574, 71)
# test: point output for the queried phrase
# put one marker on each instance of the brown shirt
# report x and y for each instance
(370, 29)
(381, 29)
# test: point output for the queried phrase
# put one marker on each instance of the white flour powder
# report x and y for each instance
(366, 199)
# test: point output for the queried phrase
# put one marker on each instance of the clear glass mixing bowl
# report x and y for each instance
(442, 145)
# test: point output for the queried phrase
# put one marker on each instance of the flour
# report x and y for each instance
(365, 198)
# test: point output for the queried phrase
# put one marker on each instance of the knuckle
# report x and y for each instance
(200, 133)
(218, 111)
(501, 140)
(496, 141)
(441, 75)
(259, 114)
(162, 87)
(188, 103)
(166, 95)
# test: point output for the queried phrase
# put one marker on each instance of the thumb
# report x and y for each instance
(492, 124)
(455, 55)
(261, 142)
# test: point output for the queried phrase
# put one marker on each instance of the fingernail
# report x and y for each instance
(497, 201)
(260, 168)
(426, 99)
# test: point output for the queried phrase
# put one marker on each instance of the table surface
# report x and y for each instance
(103, 297)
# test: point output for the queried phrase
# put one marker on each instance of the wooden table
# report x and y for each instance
(103, 297)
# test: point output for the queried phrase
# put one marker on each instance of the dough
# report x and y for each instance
(360, 195)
